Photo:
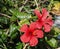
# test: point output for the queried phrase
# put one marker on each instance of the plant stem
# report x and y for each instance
(7, 31)
(50, 5)
(25, 46)
(20, 9)
(4, 46)
(5, 15)
(36, 3)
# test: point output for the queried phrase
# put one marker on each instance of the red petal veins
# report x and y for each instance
(49, 21)
(44, 14)
(38, 25)
(33, 41)
(38, 14)
(47, 28)
(32, 26)
(35, 25)
(39, 33)
(24, 38)
(24, 28)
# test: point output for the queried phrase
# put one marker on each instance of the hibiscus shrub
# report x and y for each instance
(28, 25)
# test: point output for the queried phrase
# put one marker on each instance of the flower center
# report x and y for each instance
(34, 33)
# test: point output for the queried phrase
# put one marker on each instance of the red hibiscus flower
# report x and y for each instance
(31, 34)
(44, 20)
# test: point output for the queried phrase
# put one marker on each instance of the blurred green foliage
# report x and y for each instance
(15, 13)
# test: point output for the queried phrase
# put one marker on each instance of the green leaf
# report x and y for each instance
(0, 32)
(1, 40)
(20, 15)
(13, 18)
(13, 30)
(4, 20)
(19, 45)
(10, 2)
(3, 35)
(23, 15)
(52, 42)
(25, 21)
(13, 36)
(56, 29)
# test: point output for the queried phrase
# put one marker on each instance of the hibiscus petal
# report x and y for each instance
(38, 14)
(33, 41)
(24, 28)
(39, 33)
(32, 26)
(44, 14)
(38, 25)
(24, 38)
(35, 25)
(47, 28)
(49, 21)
